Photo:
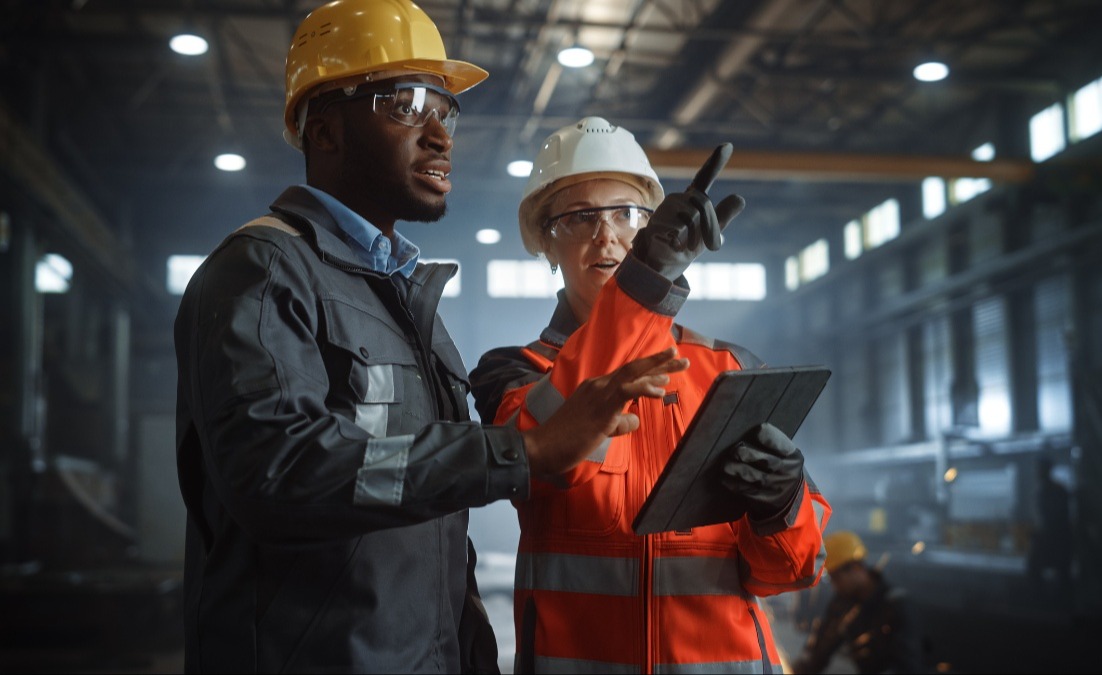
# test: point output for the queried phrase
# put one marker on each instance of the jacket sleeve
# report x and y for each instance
(786, 555)
(501, 372)
(631, 318)
(280, 462)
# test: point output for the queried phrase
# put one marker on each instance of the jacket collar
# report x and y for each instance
(319, 226)
(563, 323)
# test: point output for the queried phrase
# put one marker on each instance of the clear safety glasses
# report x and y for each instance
(584, 224)
(408, 103)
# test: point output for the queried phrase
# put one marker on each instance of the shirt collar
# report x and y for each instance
(372, 247)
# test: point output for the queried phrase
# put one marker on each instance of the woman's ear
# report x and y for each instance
(552, 259)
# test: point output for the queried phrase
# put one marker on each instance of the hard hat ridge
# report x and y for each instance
(347, 38)
(591, 148)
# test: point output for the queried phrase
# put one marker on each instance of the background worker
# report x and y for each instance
(326, 454)
(590, 595)
(1049, 561)
(867, 619)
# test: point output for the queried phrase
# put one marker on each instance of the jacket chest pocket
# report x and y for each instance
(454, 375)
(368, 361)
(378, 390)
(596, 508)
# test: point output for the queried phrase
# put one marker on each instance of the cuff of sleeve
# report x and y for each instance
(507, 465)
(783, 519)
(649, 288)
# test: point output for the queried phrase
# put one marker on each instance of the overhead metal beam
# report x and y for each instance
(33, 170)
(761, 165)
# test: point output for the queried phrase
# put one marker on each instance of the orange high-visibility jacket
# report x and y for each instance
(590, 595)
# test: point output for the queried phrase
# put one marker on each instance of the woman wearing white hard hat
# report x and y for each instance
(591, 596)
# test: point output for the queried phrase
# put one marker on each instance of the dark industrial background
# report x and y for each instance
(965, 348)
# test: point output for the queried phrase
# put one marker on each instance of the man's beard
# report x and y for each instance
(390, 193)
(401, 200)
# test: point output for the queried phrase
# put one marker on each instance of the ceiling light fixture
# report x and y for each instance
(575, 57)
(931, 71)
(229, 161)
(519, 168)
(488, 236)
(188, 44)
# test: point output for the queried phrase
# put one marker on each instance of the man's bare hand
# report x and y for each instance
(595, 411)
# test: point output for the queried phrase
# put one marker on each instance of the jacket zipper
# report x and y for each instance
(647, 462)
(648, 657)
(766, 666)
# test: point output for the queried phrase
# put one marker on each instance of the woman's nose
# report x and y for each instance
(604, 232)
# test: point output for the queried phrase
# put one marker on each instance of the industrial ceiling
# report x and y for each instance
(817, 96)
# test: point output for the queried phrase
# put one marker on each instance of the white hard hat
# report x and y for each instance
(591, 148)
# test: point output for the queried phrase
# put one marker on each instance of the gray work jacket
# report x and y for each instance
(327, 460)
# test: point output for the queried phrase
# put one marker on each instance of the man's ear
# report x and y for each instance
(322, 132)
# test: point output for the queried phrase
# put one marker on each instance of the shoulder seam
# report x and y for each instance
(272, 222)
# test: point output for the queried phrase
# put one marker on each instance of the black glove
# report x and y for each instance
(764, 470)
(685, 222)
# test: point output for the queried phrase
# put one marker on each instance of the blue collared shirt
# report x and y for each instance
(374, 247)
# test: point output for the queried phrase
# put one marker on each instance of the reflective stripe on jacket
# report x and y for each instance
(590, 595)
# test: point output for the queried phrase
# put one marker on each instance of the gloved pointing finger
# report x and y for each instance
(711, 168)
(687, 222)
(725, 211)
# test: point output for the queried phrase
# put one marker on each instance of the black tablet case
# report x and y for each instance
(688, 493)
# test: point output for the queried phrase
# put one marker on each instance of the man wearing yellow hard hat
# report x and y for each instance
(867, 619)
(325, 451)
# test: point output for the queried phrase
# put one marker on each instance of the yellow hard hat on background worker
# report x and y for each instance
(842, 548)
(348, 38)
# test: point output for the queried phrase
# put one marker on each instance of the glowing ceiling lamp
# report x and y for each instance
(575, 57)
(931, 71)
(519, 168)
(188, 44)
(229, 161)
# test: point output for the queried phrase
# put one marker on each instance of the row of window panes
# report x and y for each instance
(881, 224)
(533, 279)
(722, 281)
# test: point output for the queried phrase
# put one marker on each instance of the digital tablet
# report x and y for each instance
(688, 493)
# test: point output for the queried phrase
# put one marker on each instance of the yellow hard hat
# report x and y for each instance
(345, 38)
(842, 548)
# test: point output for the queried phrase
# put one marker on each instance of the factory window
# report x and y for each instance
(814, 261)
(891, 389)
(1085, 111)
(933, 197)
(726, 281)
(882, 224)
(53, 274)
(453, 287)
(851, 236)
(855, 389)
(179, 270)
(963, 189)
(1052, 308)
(806, 266)
(1046, 133)
(792, 273)
(937, 376)
(992, 366)
(521, 279)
